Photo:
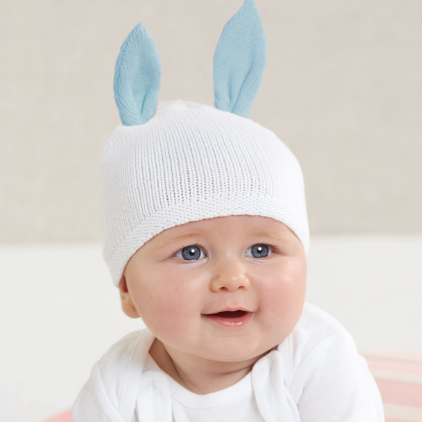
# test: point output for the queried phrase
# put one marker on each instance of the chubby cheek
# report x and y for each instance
(281, 301)
(168, 306)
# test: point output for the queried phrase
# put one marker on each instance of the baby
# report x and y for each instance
(206, 236)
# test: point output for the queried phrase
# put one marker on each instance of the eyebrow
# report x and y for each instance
(180, 237)
(267, 234)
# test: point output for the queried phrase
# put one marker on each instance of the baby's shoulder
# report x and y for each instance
(121, 353)
(314, 324)
(316, 331)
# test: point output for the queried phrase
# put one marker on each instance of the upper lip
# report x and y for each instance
(229, 310)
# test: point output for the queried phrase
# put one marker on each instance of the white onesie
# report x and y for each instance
(315, 375)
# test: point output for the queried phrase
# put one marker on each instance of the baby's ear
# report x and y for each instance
(127, 304)
(239, 61)
(137, 78)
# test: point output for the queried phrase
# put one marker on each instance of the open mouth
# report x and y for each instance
(230, 318)
(230, 314)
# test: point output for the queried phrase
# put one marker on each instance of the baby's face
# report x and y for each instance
(182, 277)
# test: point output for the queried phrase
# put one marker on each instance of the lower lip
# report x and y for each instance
(231, 322)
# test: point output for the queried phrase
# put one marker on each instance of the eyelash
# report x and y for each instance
(273, 248)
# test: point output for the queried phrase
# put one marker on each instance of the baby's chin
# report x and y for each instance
(240, 356)
(213, 342)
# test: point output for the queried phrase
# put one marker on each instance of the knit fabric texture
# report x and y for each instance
(192, 162)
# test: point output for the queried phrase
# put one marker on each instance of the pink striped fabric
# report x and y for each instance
(63, 417)
(399, 378)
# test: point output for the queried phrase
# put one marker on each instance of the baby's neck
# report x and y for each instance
(198, 375)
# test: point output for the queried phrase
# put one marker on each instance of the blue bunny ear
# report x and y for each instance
(137, 77)
(239, 61)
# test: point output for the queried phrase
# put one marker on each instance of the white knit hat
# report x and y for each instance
(189, 162)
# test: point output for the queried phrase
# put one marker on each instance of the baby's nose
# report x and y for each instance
(230, 279)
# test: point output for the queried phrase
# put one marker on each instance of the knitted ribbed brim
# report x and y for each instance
(192, 162)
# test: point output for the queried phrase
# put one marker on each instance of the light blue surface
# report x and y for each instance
(137, 78)
(239, 61)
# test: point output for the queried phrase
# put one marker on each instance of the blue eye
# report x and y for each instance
(194, 252)
(260, 250)
(190, 253)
